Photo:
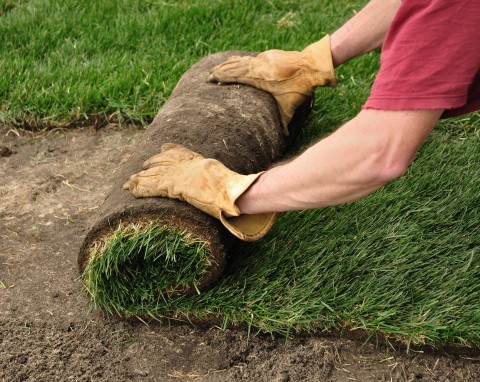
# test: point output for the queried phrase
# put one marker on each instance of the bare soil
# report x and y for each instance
(52, 183)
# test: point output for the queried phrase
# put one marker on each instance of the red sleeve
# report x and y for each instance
(430, 58)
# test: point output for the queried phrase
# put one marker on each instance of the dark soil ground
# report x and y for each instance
(51, 185)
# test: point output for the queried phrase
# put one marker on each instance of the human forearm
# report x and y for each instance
(331, 172)
(360, 157)
(300, 185)
(363, 32)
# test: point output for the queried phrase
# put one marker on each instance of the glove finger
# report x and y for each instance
(287, 104)
(226, 62)
(131, 184)
(237, 76)
(156, 173)
(149, 184)
(171, 154)
(169, 146)
(176, 149)
(144, 190)
(237, 70)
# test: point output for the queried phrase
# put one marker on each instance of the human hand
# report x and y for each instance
(289, 76)
(206, 184)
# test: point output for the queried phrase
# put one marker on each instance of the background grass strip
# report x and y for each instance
(65, 62)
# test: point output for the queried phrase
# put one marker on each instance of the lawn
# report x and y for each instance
(68, 62)
(405, 261)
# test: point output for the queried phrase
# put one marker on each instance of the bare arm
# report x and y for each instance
(362, 155)
(363, 32)
(357, 159)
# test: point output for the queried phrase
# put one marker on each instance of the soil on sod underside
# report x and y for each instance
(238, 125)
(52, 185)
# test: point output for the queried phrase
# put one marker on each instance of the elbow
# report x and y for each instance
(390, 159)
(385, 165)
(389, 167)
(391, 171)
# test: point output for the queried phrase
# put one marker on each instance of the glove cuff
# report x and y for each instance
(249, 227)
(319, 58)
(245, 227)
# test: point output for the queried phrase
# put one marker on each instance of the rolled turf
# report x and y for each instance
(139, 250)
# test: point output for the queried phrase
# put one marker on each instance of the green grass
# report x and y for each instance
(140, 263)
(404, 261)
(76, 61)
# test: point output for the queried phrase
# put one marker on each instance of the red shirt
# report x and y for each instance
(430, 58)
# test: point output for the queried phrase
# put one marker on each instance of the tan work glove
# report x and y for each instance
(290, 77)
(206, 184)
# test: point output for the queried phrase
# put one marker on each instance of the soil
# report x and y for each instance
(51, 187)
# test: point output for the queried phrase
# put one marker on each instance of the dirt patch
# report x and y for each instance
(5, 151)
(52, 186)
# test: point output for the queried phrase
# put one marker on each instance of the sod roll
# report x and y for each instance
(140, 249)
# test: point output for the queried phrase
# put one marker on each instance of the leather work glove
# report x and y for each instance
(290, 77)
(206, 184)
